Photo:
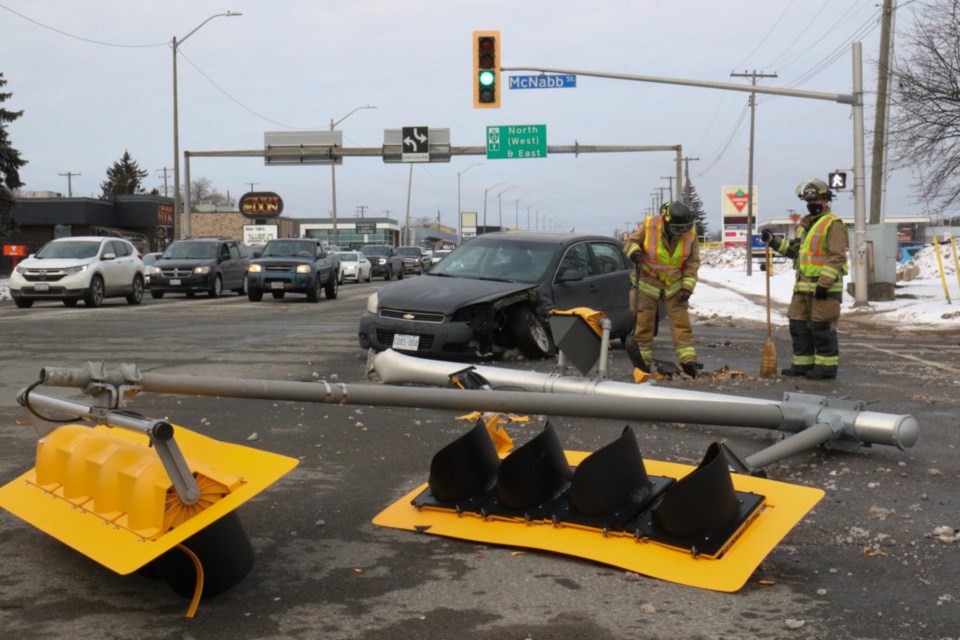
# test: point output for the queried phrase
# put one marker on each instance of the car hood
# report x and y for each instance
(54, 263)
(178, 263)
(283, 260)
(442, 294)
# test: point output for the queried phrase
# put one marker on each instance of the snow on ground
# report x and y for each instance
(726, 292)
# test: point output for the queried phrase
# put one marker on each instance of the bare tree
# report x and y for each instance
(202, 191)
(926, 98)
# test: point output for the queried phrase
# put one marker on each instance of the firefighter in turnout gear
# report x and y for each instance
(819, 254)
(666, 259)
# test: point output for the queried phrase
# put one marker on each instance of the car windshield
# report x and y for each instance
(348, 256)
(497, 260)
(288, 249)
(76, 249)
(191, 251)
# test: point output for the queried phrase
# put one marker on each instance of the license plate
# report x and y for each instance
(41, 288)
(276, 285)
(174, 282)
(406, 342)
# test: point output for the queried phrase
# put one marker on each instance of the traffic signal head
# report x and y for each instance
(486, 69)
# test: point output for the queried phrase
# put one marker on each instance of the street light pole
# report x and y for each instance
(485, 191)
(333, 175)
(459, 212)
(500, 204)
(185, 226)
(516, 213)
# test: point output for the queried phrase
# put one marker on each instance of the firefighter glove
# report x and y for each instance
(767, 236)
(820, 293)
(684, 295)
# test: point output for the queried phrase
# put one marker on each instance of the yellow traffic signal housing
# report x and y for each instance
(698, 526)
(486, 69)
(105, 493)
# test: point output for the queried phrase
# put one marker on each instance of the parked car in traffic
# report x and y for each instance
(88, 268)
(354, 266)
(297, 265)
(200, 265)
(384, 261)
(495, 293)
(414, 259)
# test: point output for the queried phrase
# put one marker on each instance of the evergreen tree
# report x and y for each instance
(692, 199)
(10, 163)
(123, 178)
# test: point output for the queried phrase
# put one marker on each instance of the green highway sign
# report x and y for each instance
(517, 141)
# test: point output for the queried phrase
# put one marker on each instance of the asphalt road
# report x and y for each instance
(864, 564)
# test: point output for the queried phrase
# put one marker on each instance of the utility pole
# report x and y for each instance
(753, 112)
(361, 208)
(164, 171)
(670, 178)
(70, 182)
(252, 184)
(878, 167)
(686, 178)
(661, 190)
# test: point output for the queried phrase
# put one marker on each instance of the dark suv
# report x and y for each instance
(298, 265)
(205, 265)
(384, 261)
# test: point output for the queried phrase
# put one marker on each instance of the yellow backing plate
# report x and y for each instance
(785, 505)
(120, 549)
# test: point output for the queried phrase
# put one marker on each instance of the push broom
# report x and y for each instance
(768, 363)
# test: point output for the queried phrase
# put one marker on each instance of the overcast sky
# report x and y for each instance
(94, 78)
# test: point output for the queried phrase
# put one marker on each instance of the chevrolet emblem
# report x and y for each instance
(408, 316)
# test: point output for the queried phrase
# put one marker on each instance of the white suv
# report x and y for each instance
(90, 268)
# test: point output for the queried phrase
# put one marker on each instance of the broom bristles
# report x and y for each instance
(768, 363)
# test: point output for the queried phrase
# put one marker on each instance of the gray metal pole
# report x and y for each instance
(859, 185)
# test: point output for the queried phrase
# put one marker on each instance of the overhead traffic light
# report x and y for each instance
(486, 69)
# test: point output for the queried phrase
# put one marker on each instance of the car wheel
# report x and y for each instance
(156, 295)
(401, 274)
(136, 293)
(388, 275)
(254, 295)
(330, 290)
(243, 287)
(94, 295)
(369, 277)
(529, 334)
(313, 293)
(70, 302)
(216, 289)
(23, 304)
(278, 294)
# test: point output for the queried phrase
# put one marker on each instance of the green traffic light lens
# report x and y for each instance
(486, 78)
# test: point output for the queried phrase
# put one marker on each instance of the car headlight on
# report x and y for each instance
(373, 303)
(78, 269)
(254, 268)
(304, 268)
(201, 270)
(381, 261)
(155, 271)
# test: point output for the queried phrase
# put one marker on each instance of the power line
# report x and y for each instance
(70, 35)
(70, 182)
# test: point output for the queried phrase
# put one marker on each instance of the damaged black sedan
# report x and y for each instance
(495, 294)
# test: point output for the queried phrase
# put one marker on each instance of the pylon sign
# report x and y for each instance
(703, 527)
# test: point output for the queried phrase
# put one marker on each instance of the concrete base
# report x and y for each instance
(876, 291)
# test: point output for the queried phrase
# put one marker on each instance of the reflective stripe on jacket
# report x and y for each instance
(662, 269)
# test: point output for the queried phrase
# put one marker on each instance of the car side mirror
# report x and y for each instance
(570, 275)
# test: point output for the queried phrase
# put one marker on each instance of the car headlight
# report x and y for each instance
(21, 270)
(304, 268)
(373, 302)
(254, 268)
(201, 270)
(381, 261)
(155, 271)
(78, 269)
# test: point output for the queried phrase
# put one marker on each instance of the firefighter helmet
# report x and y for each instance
(814, 189)
(678, 217)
